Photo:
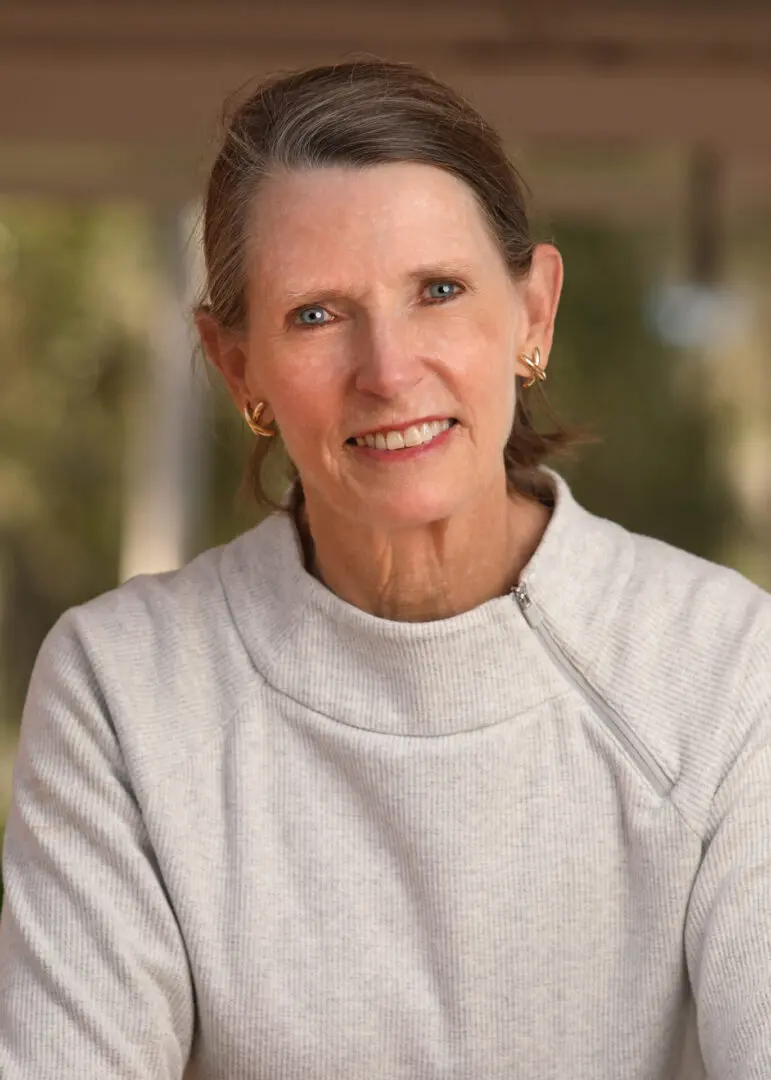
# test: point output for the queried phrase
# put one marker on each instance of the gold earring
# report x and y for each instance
(252, 417)
(534, 363)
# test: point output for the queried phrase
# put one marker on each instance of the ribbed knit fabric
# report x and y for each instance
(258, 834)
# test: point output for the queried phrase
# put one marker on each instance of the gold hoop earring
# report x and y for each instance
(252, 417)
(534, 363)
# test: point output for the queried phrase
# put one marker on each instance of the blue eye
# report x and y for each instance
(442, 290)
(311, 316)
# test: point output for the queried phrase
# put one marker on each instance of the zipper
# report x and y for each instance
(634, 749)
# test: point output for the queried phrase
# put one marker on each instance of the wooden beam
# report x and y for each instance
(144, 28)
(125, 97)
(136, 102)
(147, 25)
(729, 114)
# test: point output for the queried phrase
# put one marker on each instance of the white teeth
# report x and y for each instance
(395, 440)
(414, 435)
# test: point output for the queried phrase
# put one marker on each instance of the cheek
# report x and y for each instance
(479, 336)
(483, 358)
(304, 389)
(300, 413)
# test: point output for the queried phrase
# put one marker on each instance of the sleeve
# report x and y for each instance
(94, 980)
(728, 931)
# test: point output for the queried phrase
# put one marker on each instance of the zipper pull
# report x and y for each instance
(526, 606)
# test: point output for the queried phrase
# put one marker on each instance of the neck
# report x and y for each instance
(429, 572)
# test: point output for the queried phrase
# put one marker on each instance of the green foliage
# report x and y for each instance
(655, 470)
(66, 358)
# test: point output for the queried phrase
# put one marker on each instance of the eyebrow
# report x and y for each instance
(315, 296)
(433, 271)
(427, 272)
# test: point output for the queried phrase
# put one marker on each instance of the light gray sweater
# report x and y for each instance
(257, 833)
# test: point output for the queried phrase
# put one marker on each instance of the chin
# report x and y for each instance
(410, 508)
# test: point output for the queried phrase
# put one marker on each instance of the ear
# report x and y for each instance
(541, 294)
(225, 350)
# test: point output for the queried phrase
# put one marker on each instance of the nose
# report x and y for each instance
(388, 361)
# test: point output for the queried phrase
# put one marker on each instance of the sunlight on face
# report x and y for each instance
(378, 300)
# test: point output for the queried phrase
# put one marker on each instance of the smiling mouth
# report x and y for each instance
(404, 438)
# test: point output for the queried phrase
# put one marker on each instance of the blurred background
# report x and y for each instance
(643, 129)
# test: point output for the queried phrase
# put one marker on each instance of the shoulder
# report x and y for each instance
(160, 652)
(688, 644)
(640, 606)
(700, 604)
(698, 625)
(150, 615)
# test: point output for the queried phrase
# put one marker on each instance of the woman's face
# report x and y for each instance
(380, 311)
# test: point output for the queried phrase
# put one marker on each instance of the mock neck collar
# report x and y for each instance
(434, 678)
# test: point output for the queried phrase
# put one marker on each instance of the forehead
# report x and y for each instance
(363, 220)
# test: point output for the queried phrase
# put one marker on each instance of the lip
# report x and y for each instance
(401, 425)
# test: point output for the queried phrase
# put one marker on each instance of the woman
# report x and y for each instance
(433, 774)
